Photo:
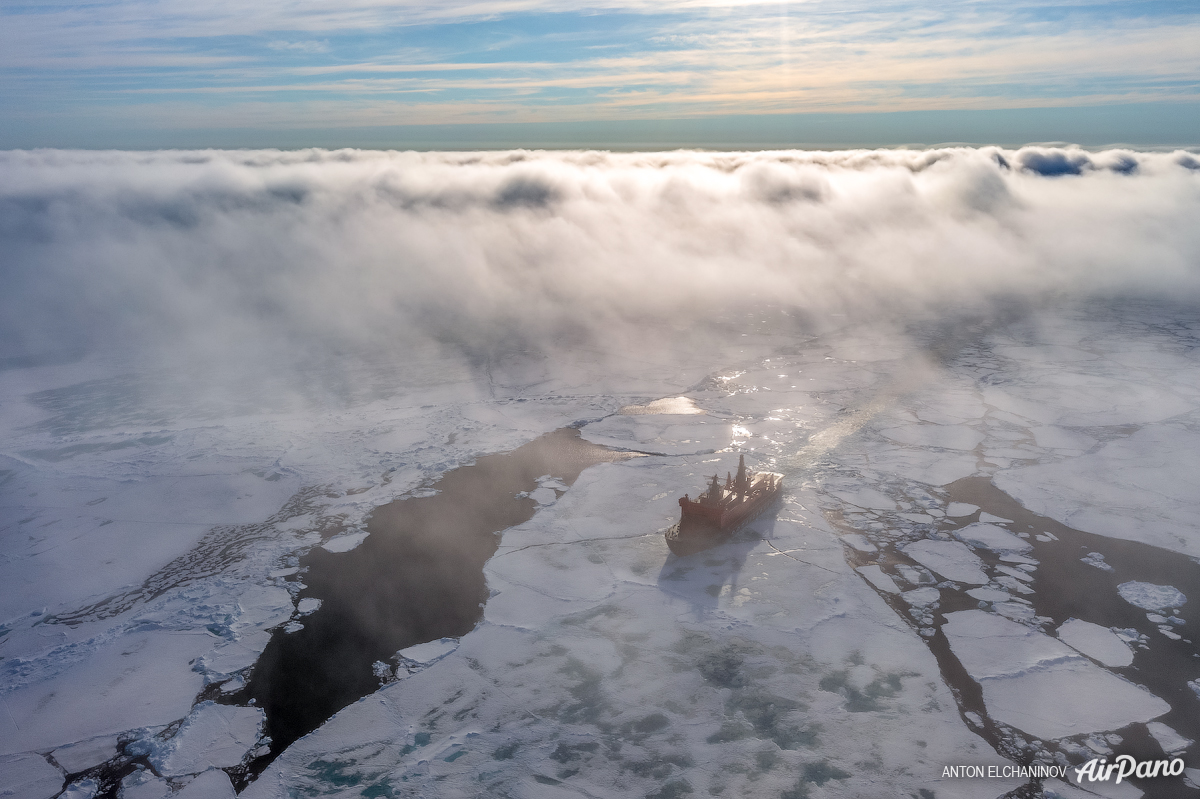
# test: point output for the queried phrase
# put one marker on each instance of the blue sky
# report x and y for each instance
(186, 73)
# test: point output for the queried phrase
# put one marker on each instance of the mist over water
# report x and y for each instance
(303, 271)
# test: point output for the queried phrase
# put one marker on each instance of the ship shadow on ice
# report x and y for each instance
(706, 578)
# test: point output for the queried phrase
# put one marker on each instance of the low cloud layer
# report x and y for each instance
(240, 263)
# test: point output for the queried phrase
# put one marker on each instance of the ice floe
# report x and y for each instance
(989, 536)
(1149, 596)
(1099, 643)
(212, 737)
(950, 559)
(29, 775)
(877, 578)
(1040, 685)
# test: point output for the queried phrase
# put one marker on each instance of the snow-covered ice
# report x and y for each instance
(1040, 685)
(212, 736)
(950, 559)
(1172, 743)
(877, 578)
(1098, 643)
(29, 775)
(1149, 596)
(989, 536)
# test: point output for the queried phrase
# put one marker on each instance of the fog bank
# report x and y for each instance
(235, 264)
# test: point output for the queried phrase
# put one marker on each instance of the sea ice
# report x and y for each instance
(986, 594)
(989, 536)
(143, 784)
(1141, 488)
(877, 578)
(1038, 684)
(1096, 559)
(937, 436)
(430, 651)
(543, 496)
(1148, 596)
(137, 680)
(1172, 742)
(922, 597)
(85, 754)
(959, 509)
(950, 559)
(212, 736)
(29, 776)
(346, 542)
(860, 542)
(694, 665)
(212, 784)
(1098, 643)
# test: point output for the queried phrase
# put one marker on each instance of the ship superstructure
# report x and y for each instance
(723, 508)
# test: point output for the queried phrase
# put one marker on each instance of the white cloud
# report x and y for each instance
(236, 264)
(309, 46)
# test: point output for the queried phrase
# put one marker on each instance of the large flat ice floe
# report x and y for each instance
(1038, 684)
(949, 559)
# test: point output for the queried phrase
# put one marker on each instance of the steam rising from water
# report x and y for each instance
(241, 264)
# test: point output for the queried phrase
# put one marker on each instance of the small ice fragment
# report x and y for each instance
(921, 597)
(1015, 611)
(1020, 574)
(546, 481)
(1172, 743)
(284, 572)
(308, 605)
(1148, 596)
(950, 559)
(960, 509)
(860, 542)
(345, 543)
(1167, 631)
(429, 651)
(877, 578)
(1096, 559)
(212, 784)
(987, 594)
(1195, 686)
(83, 789)
(914, 575)
(293, 627)
(988, 536)
(143, 784)
(381, 670)
(544, 496)
(992, 518)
